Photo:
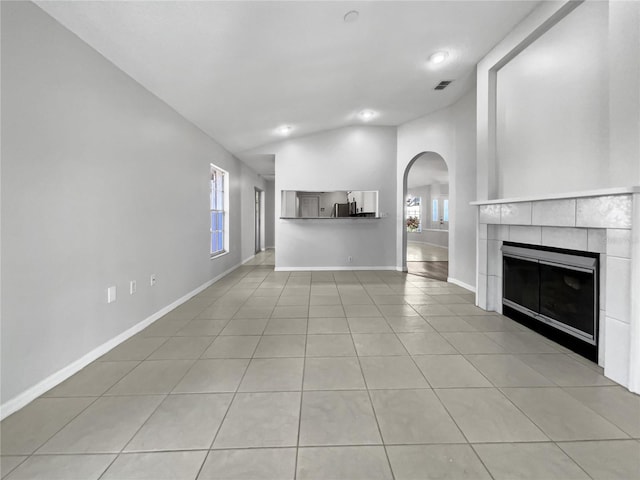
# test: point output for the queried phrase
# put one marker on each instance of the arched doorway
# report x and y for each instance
(426, 216)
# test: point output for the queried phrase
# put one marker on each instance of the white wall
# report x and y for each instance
(552, 109)
(352, 158)
(568, 104)
(624, 93)
(451, 134)
(102, 183)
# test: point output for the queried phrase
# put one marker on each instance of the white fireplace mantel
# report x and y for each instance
(603, 221)
(560, 196)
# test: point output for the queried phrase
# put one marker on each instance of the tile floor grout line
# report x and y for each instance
(122, 451)
(557, 387)
(304, 365)
(499, 389)
(447, 410)
(235, 393)
(95, 399)
(15, 467)
(375, 416)
(108, 466)
(486, 467)
(166, 396)
(571, 458)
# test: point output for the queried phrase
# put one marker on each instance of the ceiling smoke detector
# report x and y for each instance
(351, 16)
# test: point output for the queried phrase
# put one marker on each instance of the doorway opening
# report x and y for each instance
(258, 220)
(426, 216)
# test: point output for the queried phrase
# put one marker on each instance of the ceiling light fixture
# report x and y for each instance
(367, 115)
(284, 129)
(438, 57)
(351, 16)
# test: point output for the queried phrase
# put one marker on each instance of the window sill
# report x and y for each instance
(218, 255)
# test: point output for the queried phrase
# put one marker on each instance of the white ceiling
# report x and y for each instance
(428, 169)
(240, 69)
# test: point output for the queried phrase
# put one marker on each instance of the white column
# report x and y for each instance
(634, 330)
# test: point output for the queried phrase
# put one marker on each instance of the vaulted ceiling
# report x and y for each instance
(241, 69)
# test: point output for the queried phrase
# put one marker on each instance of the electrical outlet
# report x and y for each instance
(111, 294)
(132, 287)
(152, 279)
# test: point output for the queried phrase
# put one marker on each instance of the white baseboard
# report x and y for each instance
(461, 284)
(248, 259)
(327, 269)
(29, 395)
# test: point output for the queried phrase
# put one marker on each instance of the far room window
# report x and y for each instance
(414, 214)
(434, 210)
(446, 210)
(218, 206)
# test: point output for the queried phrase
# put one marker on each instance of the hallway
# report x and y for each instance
(427, 260)
(329, 375)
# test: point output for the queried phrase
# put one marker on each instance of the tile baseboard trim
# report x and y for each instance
(328, 269)
(23, 399)
(461, 284)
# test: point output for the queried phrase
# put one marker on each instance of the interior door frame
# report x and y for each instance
(258, 220)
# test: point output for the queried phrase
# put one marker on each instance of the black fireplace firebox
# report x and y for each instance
(554, 292)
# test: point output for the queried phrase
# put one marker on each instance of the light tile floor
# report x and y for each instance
(332, 376)
(424, 252)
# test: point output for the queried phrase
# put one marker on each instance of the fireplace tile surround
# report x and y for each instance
(605, 222)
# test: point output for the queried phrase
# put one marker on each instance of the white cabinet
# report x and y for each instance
(289, 204)
(369, 202)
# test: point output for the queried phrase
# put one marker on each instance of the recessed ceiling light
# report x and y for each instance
(367, 115)
(351, 17)
(438, 57)
(284, 129)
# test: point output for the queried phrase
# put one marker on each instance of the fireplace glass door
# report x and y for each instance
(554, 287)
(523, 287)
(567, 295)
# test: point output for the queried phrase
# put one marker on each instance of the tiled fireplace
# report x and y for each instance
(605, 222)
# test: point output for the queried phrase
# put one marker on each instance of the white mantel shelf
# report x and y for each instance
(561, 196)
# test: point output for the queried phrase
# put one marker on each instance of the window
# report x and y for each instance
(218, 206)
(446, 210)
(414, 215)
(434, 210)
